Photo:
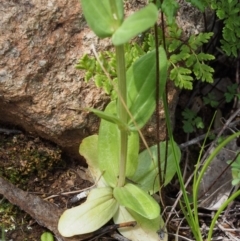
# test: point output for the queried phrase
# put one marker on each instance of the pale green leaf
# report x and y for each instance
(100, 16)
(134, 198)
(135, 24)
(89, 150)
(86, 217)
(146, 175)
(109, 117)
(46, 236)
(145, 229)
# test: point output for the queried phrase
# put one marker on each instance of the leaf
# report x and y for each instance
(200, 4)
(146, 175)
(170, 7)
(109, 117)
(134, 198)
(89, 150)
(144, 230)
(188, 127)
(46, 236)
(203, 71)
(135, 24)
(108, 149)
(85, 218)
(182, 77)
(141, 85)
(100, 17)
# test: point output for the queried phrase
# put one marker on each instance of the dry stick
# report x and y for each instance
(199, 138)
(76, 191)
(45, 213)
(236, 98)
(220, 133)
(100, 232)
(211, 146)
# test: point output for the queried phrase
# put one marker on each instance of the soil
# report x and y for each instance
(38, 167)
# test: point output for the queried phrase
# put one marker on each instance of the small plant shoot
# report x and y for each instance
(113, 155)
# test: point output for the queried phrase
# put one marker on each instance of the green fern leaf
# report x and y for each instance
(174, 58)
(200, 4)
(205, 57)
(170, 7)
(175, 43)
(196, 41)
(203, 72)
(181, 77)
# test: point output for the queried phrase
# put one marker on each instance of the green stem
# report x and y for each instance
(122, 113)
(224, 205)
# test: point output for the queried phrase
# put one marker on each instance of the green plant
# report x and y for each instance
(235, 170)
(113, 156)
(3, 234)
(228, 12)
(124, 178)
(231, 92)
(46, 236)
(191, 120)
(210, 99)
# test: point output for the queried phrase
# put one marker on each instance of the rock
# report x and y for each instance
(40, 44)
(40, 89)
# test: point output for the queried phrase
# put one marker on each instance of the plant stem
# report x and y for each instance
(122, 113)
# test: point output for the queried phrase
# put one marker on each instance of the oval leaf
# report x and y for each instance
(144, 230)
(46, 236)
(89, 150)
(100, 17)
(135, 24)
(141, 85)
(134, 198)
(85, 218)
(146, 175)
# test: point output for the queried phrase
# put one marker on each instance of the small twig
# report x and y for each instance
(227, 124)
(199, 138)
(76, 191)
(227, 233)
(100, 232)
(8, 131)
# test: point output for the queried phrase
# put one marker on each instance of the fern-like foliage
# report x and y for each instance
(187, 59)
(228, 11)
(93, 69)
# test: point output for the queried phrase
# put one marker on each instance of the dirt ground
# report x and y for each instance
(40, 168)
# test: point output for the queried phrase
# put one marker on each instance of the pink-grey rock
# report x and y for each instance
(41, 91)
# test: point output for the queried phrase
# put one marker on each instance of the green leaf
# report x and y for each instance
(134, 198)
(100, 16)
(46, 236)
(182, 77)
(109, 117)
(199, 122)
(135, 24)
(146, 175)
(89, 150)
(200, 4)
(86, 217)
(108, 149)
(188, 127)
(141, 85)
(144, 230)
(170, 7)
